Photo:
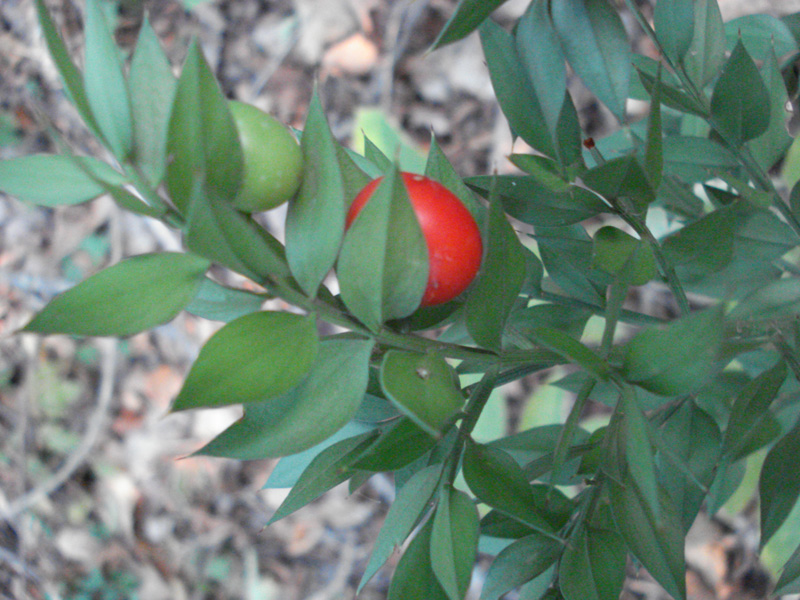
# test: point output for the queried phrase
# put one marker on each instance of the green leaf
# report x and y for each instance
(750, 412)
(694, 158)
(730, 477)
(740, 104)
(106, 88)
(792, 21)
(321, 404)
(136, 294)
(152, 88)
(656, 543)
(639, 459)
(440, 169)
(678, 358)
(288, 469)
(423, 387)
(454, 542)
(251, 359)
(375, 156)
(719, 197)
(596, 45)
(354, 177)
(707, 52)
(744, 188)
(399, 445)
(328, 469)
(772, 145)
(519, 563)
(414, 578)
(544, 171)
(760, 235)
(70, 74)
(499, 281)
(622, 177)
(622, 255)
(534, 274)
(672, 92)
(217, 302)
(383, 138)
(761, 35)
(55, 179)
(383, 263)
(702, 247)
(497, 480)
(777, 299)
(498, 525)
(203, 143)
(569, 140)
(466, 18)
(779, 485)
(540, 51)
(789, 581)
(514, 91)
(593, 565)
(529, 200)
(128, 201)
(571, 349)
(566, 253)
(674, 25)
(219, 232)
(406, 511)
(654, 143)
(688, 451)
(541, 587)
(567, 319)
(315, 220)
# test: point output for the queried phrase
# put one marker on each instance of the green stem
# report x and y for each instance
(739, 150)
(570, 427)
(477, 400)
(666, 268)
(618, 292)
(789, 355)
(761, 179)
(386, 337)
(627, 316)
(677, 69)
(472, 411)
(151, 196)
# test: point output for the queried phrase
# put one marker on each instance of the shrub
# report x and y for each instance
(689, 399)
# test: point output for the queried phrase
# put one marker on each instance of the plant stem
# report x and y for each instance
(739, 150)
(386, 337)
(673, 282)
(618, 292)
(477, 400)
(627, 316)
(788, 354)
(151, 196)
(759, 177)
(570, 427)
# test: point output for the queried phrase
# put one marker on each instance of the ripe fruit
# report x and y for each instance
(273, 161)
(451, 234)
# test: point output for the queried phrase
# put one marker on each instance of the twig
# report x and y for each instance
(338, 583)
(78, 456)
(402, 18)
(18, 565)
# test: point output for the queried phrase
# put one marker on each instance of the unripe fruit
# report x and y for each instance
(451, 234)
(273, 161)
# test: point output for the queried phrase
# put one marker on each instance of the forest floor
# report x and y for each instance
(97, 499)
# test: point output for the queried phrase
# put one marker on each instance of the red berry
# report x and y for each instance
(453, 238)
